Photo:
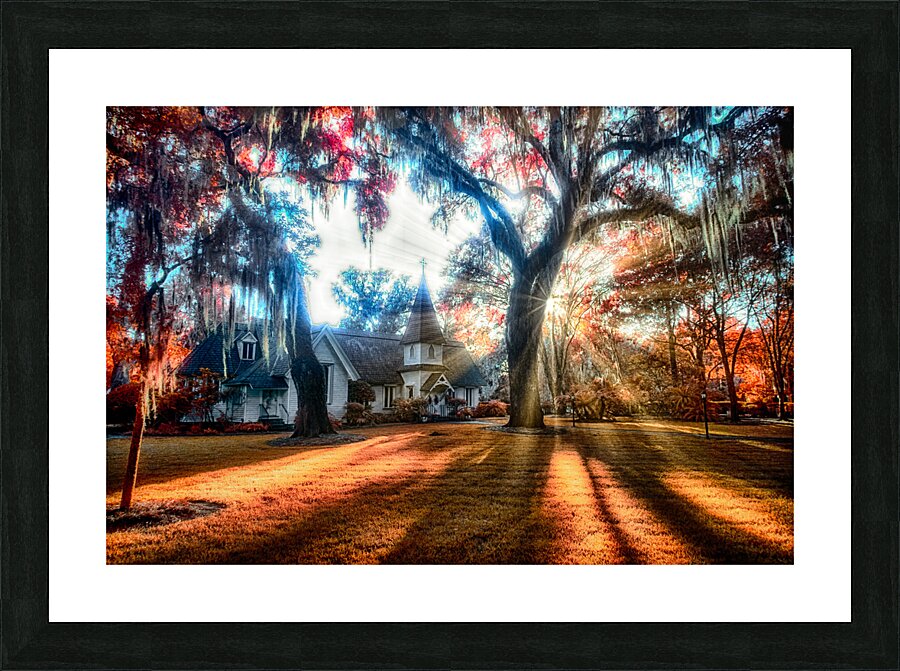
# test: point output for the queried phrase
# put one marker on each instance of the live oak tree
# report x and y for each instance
(543, 179)
(153, 207)
(211, 195)
(273, 155)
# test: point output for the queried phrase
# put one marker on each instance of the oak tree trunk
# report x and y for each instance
(729, 376)
(524, 320)
(308, 374)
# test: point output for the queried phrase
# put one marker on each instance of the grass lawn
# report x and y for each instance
(649, 492)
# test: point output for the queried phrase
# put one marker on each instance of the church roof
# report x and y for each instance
(377, 357)
(423, 323)
(257, 373)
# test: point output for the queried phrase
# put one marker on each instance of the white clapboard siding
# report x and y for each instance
(251, 405)
(338, 377)
(378, 403)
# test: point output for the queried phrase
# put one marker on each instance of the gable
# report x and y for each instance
(335, 347)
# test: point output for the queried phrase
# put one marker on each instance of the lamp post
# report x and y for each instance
(705, 417)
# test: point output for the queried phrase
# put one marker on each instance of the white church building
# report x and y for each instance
(420, 363)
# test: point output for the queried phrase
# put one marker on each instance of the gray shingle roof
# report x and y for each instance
(263, 375)
(377, 357)
(257, 373)
(461, 369)
(423, 323)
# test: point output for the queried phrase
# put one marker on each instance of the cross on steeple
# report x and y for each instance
(423, 265)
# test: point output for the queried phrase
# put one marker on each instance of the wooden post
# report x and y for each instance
(705, 418)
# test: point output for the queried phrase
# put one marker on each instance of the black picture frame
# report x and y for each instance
(30, 29)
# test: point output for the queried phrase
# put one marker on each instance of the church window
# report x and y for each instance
(327, 369)
(409, 390)
(431, 351)
(470, 396)
(389, 396)
(412, 352)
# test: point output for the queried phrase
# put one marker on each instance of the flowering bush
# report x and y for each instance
(120, 403)
(245, 427)
(359, 391)
(172, 406)
(493, 408)
(165, 429)
(410, 409)
(358, 414)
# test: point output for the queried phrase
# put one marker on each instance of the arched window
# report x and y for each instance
(412, 351)
(431, 351)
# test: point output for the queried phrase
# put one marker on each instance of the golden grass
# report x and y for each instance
(630, 492)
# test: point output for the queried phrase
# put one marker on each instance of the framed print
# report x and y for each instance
(426, 354)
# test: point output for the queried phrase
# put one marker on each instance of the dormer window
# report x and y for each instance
(248, 350)
(431, 351)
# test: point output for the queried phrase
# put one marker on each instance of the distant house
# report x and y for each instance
(421, 363)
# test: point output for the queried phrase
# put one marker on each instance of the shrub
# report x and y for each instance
(464, 413)
(165, 429)
(173, 406)
(599, 399)
(121, 402)
(359, 391)
(456, 403)
(385, 418)
(493, 408)
(245, 427)
(336, 424)
(410, 409)
(204, 393)
(562, 403)
(358, 414)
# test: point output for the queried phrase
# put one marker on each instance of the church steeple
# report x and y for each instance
(423, 326)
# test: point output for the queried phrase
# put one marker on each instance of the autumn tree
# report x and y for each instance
(474, 303)
(374, 300)
(212, 195)
(581, 289)
(276, 158)
(543, 179)
(153, 209)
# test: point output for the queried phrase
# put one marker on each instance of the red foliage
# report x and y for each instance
(121, 403)
(167, 429)
(493, 408)
(245, 427)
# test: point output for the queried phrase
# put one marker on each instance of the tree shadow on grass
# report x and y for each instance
(167, 459)
(484, 510)
(480, 509)
(641, 468)
(624, 548)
